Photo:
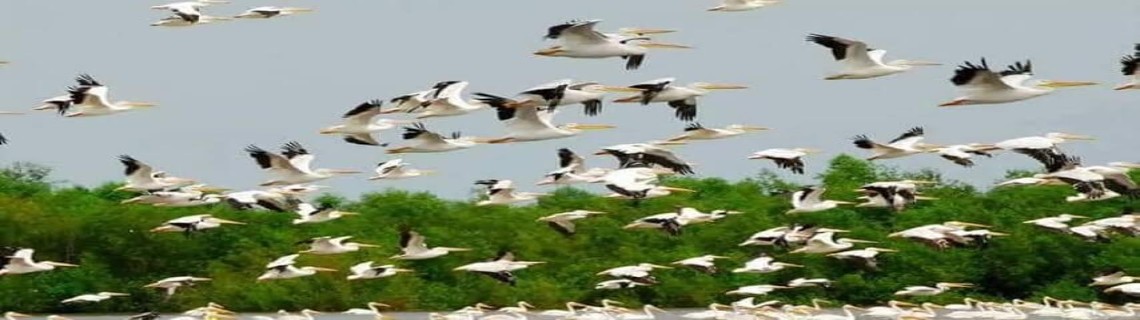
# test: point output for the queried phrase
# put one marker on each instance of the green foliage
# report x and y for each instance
(117, 253)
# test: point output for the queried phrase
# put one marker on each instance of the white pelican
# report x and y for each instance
(307, 213)
(645, 314)
(90, 97)
(1132, 289)
(619, 284)
(868, 256)
(189, 10)
(764, 264)
(414, 248)
(55, 103)
(397, 169)
(93, 298)
(638, 272)
(809, 199)
(20, 262)
(755, 290)
(892, 194)
(695, 131)
(271, 12)
(305, 314)
(1040, 147)
(358, 125)
(182, 20)
(564, 222)
(667, 222)
(283, 268)
(367, 270)
(567, 92)
(188, 196)
(705, 263)
(1091, 232)
(947, 233)
(500, 268)
(683, 99)
(645, 153)
(636, 183)
(1130, 64)
(528, 123)
(278, 199)
(980, 85)
(373, 310)
(330, 245)
(408, 102)
(715, 311)
(578, 39)
(742, 5)
(930, 291)
(172, 284)
(847, 315)
(503, 192)
(292, 166)
(908, 143)
(805, 282)
(1057, 223)
(892, 310)
(194, 223)
(428, 141)
(571, 170)
(791, 159)
(141, 177)
(825, 242)
(1113, 278)
(861, 62)
(961, 154)
(446, 100)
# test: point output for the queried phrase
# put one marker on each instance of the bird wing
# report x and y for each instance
(362, 114)
(138, 173)
(970, 76)
(271, 161)
(852, 53)
(412, 242)
(582, 33)
(283, 261)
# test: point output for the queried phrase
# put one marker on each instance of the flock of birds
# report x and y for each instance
(529, 116)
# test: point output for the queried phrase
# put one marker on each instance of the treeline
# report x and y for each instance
(116, 252)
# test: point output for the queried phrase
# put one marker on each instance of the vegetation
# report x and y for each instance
(117, 253)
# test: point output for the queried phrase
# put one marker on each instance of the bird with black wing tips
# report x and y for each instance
(579, 39)
(284, 268)
(413, 247)
(425, 141)
(683, 99)
(810, 199)
(1130, 64)
(397, 169)
(696, 131)
(90, 98)
(906, 144)
(647, 154)
(359, 126)
(500, 268)
(563, 222)
(292, 166)
(572, 170)
(742, 5)
(980, 85)
(503, 192)
(271, 12)
(791, 159)
(530, 122)
(860, 61)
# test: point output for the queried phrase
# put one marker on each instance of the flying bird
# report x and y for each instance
(981, 85)
(93, 298)
(695, 131)
(1129, 65)
(791, 159)
(646, 154)
(501, 268)
(860, 61)
(572, 170)
(195, 223)
(503, 192)
(529, 123)
(284, 268)
(292, 166)
(425, 141)
(564, 222)
(764, 264)
(171, 285)
(578, 39)
(20, 262)
(742, 5)
(90, 99)
(397, 169)
(683, 99)
(414, 248)
(906, 144)
(810, 199)
(359, 126)
(271, 12)
(705, 263)
(143, 178)
(307, 213)
(368, 270)
(938, 288)
(446, 100)
(330, 245)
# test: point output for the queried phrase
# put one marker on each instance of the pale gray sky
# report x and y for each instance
(222, 87)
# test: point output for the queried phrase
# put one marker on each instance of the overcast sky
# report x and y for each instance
(222, 87)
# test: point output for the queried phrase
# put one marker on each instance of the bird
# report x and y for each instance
(368, 270)
(292, 166)
(373, 310)
(171, 285)
(529, 123)
(667, 222)
(446, 100)
(194, 223)
(742, 5)
(705, 263)
(414, 248)
(961, 154)
(636, 183)
(938, 288)
(90, 99)
(185, 20)
(981, 85)
(330, 245)
(93, 298)
(503, 192)
(867, 256)
(805, 282)
(791, 159)
(892, 194)
(764, 264)
(638, 273)
(825, 243)
(359, 125)
(278, 199)
(1112, 278)
(755, 290)
(307, 213)
(1041, 148)
(501, 268)
(284, 268)
(809, 199)
(561, 93)
(271, 12)
(428, 142)
(563, 222)
(648, 154)
(617, 284)
(683, 99)
(579, 39)
(1131, 289)
(1057, 223)
(141, 177)
(572, 170)
(397, 169)
(860, 61)
(20, 262)
(1129, 65)
(945, 234)
(188, 196)
(906, 144)
(695, 131)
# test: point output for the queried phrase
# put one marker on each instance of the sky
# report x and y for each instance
(222, 87)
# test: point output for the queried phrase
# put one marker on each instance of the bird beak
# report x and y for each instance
(669, 143)
(955, 102)
(843, 202)
(549, 52)
(594, 126)
(960, 285)
(658, 45)
(365, 245)
(679, 189)
(629, 99)
(970, 224)
(224, 221)
(722, 86)
(139, 104)
(920, 63)
(1069, 136)
(349, 213)
(861, 241)
(660, 267)
(1064, 84)
(297, 10)
(319, 269)
(161, 229)
(792, 265)
(643, 31)
(754, 128)
(630, 226)
(327, 131)
(17, 314)
(1076, 216)
(924, 198)
(1126, 86)
(999, 234)
(619, 89)
(887, 250)
(342, 171)
(117, 294)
